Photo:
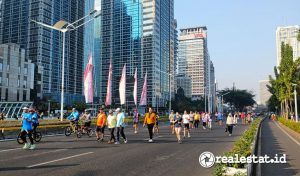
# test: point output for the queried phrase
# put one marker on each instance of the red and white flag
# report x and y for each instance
(122, 86)
(143, 100)
(135, 87)
(88, 81)
(108, 90)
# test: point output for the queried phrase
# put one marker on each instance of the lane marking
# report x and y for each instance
(293, 139)
(61, 159)
(9, 150)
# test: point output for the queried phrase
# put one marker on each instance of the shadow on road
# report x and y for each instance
(37, 167)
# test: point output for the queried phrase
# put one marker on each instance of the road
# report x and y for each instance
(277, 140)
(61, 155)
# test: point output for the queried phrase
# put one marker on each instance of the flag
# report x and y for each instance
(135, 87)
(108, 90)
(122, 86)
(143, 100)
(88, 81)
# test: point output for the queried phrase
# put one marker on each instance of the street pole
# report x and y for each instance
(62, 80)
(222, 104)
(296, 107)
(48, 108)
(204, 99)
(170, 98)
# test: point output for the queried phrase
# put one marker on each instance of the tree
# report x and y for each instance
(238, 99)
(298, 37)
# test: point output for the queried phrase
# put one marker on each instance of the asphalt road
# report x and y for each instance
(61, 155)
(276, 140)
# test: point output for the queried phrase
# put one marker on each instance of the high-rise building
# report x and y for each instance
(121, 42)
(184, 82)
(264, 94)
(158, 50)
(193, 59)
(16, 74)
(44, 46)
(287, 35)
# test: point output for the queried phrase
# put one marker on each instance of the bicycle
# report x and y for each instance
(69, 130)
(85, 130)
(37, 137)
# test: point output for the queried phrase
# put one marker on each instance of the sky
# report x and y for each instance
(241, 35)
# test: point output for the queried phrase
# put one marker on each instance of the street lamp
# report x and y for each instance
(295, 95)
(63, 27)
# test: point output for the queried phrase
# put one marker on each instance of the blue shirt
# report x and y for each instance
(120, 119)
(74, 116)
(219, 116)
(26, 122)
(35, 119)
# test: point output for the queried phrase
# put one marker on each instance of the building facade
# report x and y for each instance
(287, 35)
(264, 94)
(16, 74)
(44, 46)
(184, 82)
(193, 59)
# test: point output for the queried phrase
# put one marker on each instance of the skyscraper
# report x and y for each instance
(264, 94)
(158, 49)
(193, 59)
(44, 46)
(121, 42)
(287, 35)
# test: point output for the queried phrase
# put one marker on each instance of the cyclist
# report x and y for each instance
(86, 118)
(35, 119)
(73, 118)
(27, 129)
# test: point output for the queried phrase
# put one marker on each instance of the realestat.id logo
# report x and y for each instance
(207, 159)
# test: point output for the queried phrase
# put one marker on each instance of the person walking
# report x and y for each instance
(111, 124)
(229, 123)
(235, 118)
(27, 129)
(220, 118)
(171, 119)
(150, 119)
(100, 125)
(197, 119)
(204, 120)
(243, 118)
(156, 128)
(191, 119)
(177, 126)
(120, 126)
(135, 121)
(209, 121)
(186, 123)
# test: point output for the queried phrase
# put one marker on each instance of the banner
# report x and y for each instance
(122, 86)
(108, 90)
(143, 100)
(88, 81)
(135, 88)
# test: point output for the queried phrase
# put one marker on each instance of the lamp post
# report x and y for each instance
(63, 27)
(49, 108)
(295, 98)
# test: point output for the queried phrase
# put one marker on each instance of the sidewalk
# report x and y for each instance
(277, 140)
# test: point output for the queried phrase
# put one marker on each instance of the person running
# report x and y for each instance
(111, 123)
(150, 120)
(120, 126)
(235, 118)
(86, 118)
(229, 123)
(177, 126)
(171, 119)
(186, 123)
(135, 121)
(156, 129)
(220, 118)
(204, 121)
(27, 129)
(100, 125)
(73, 118)
(243, 117)
(197, 119)
(191, 119)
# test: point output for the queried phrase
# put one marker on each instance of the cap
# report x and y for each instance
(118, 110)
(110, 111)
(25, 108)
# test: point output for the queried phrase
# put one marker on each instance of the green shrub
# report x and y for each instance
(242, 147)
(290, 124)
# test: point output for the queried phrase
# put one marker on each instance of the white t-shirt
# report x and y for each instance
(186, 118)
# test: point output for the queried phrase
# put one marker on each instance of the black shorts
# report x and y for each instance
(204, 123)
(87, 124)
(135, 123)
(186, 125)
(100, 129)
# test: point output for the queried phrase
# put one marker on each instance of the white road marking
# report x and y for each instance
(61, 159)
(9, 150)
(293, 139)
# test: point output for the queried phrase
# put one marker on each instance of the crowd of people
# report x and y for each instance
(180, 124)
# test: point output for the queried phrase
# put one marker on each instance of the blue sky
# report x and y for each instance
(241, 35)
